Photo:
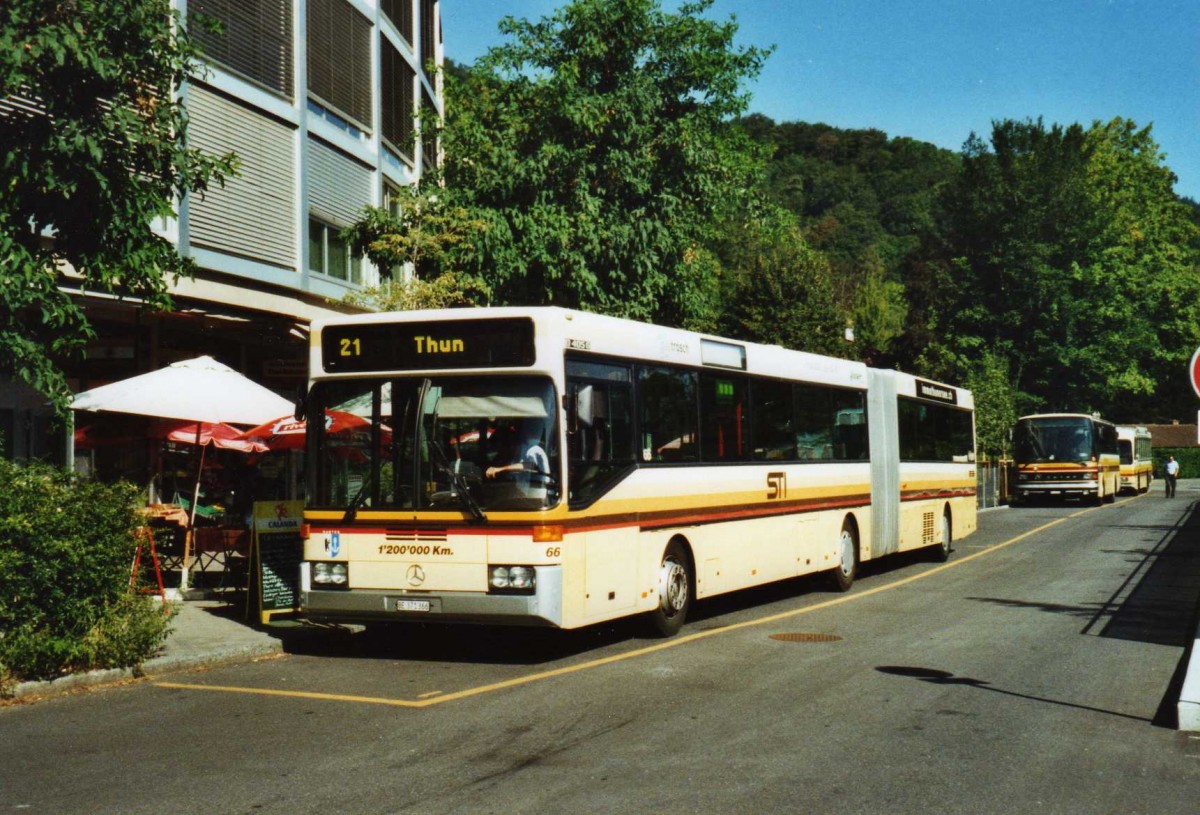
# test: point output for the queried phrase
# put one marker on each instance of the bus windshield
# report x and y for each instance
(1045, 439)
(473, 444)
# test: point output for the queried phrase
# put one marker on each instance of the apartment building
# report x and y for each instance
(322, 100)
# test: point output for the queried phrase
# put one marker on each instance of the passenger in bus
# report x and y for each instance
(522, 448)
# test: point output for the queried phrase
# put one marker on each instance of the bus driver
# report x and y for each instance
(523, 450)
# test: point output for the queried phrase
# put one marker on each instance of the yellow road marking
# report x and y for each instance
(437, 698)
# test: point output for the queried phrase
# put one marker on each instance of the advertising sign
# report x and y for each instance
(277, 552)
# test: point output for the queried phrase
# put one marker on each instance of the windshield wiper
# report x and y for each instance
(462, 490)
(359, 498)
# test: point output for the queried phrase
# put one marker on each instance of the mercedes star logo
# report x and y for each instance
(416, 575)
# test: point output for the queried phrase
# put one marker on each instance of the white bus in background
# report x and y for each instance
(1137, 463)
(671, 466)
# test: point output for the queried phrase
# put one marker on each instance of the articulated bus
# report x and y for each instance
(1066, 454)
(1137, 464)
(542, 466)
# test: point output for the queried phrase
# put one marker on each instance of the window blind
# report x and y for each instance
(400, 12)
(255, 39)
(396, 98)
(253, 214)
(339, 59)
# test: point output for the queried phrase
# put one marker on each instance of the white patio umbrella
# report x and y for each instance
(198, 390)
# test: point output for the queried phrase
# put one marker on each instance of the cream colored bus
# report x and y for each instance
(1137, 463)
(1060, 455)
(540, 466)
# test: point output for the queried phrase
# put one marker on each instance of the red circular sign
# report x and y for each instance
(1194, 371)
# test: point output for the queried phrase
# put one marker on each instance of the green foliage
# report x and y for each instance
(779, 289)
(995, 403)
(431, 238)
(1188, 458)
(867, 203)
(447, 290)
(428, 234)
(1067, 254)
(66, 547)
(880, 311)
(597, 145)
(92, 154)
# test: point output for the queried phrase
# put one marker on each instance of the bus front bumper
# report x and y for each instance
(1032, 489)
(543, 608)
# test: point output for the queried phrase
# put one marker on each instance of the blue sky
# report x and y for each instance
(936, 70)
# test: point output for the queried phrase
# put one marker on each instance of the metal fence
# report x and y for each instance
(992, 483)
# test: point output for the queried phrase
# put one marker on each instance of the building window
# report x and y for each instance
(329, 254)
(391, 203)
(339, 59)
(255, 39)
(397, 79)
(429, 30)
(400, 12)
(429, 133)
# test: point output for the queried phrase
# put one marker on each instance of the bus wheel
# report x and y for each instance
(941, 552)
(674, 591)
(847, 553)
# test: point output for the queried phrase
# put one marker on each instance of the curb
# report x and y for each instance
(150, 668)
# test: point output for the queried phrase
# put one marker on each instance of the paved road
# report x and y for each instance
(1033, 673)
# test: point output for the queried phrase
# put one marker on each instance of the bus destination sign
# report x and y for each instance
(378, 347)
(937, 393)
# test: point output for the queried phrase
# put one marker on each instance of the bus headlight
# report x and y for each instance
(514, 579)
(330, 575)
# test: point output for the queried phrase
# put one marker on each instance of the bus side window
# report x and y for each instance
(668, 414)
(600, 442)
(815, 421)
(772, 437)
(850, 425)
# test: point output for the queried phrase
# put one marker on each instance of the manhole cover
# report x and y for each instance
(803, 636)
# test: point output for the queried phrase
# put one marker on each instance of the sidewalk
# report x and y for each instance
(203, 632)
(1188, 708)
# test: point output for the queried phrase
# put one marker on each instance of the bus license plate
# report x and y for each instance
(412, 605)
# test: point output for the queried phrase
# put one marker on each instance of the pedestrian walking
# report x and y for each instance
(1172, 475)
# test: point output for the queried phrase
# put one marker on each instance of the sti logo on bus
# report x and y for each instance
(333, 544)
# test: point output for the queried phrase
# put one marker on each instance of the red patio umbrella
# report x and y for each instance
(287, 433)
(218, 434)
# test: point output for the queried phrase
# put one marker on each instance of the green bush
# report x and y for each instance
(66, 549)
(1188, 458)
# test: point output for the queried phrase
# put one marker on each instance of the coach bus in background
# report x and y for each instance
(1066, 455)
(542, 466)
(1137, 464)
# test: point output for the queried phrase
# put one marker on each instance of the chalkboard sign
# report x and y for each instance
(278, 548)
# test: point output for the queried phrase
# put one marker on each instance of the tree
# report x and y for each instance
(421, 245)
(93, 151)
(880, 310)
(1068, 256)
(598, 146)
(778, 289)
